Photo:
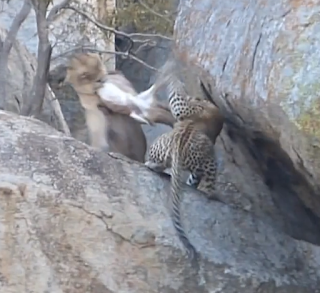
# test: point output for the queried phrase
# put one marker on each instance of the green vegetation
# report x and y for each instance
(309, 120)
(145, 16)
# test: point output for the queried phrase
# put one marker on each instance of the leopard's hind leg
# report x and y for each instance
(208, 178)
(193, 180)
(159, 155)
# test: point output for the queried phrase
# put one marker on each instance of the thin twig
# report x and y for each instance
(154, 12)
(128, 55)
(143, 46)
(58, 113)
(95, 50)
(54, 13)
(6, 48)
(112, 30)
(56, 9)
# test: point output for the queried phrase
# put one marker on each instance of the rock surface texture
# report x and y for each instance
(69, 224)
(261, 57)
(76, 220)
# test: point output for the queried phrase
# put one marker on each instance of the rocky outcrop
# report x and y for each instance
(20, 74)
(260, 60)
(67, 223)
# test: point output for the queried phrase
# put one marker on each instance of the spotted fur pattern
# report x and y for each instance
(188, 147)
(185, 148)
(182, 105)
(185, 107)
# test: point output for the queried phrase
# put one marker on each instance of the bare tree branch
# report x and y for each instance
(44, 56)
(6, 48)
(154, 12)
(56, 9)
(142, 46)
(95, 50)
(128, 55)
(58, 113)
(112, 30)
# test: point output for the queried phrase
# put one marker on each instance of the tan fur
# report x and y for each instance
(209, 118)
(155, 112)
(108, 131)
(188, 147)
(202, 113)
(184, 106)
(185, 148)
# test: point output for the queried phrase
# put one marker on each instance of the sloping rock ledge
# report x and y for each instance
(73, 219)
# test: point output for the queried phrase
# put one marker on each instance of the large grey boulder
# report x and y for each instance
(261, 58)
(75, 220)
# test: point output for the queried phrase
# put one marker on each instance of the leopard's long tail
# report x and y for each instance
(176, 188)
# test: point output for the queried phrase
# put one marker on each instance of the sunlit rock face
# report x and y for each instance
(261, 59)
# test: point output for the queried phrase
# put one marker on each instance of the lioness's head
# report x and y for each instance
(84, 68)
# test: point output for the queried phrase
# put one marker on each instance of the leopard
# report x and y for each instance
(189, 146)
